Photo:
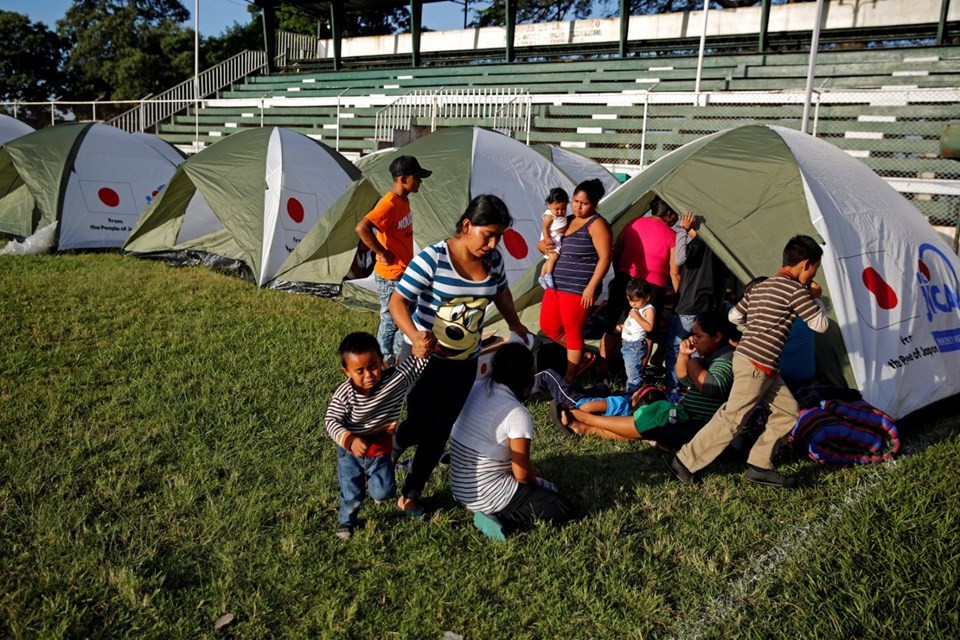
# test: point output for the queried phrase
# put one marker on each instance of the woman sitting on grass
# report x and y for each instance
(491, 472)
(710, 377)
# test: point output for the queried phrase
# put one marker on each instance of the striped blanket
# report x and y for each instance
(846, 433)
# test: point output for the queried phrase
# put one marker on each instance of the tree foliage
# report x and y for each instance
(126, 49)
(648, 7)
(373, 22)
(30, 57)
(532, 11)
(237, 38)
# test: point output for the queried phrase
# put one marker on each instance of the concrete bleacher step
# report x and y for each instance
(897, 137)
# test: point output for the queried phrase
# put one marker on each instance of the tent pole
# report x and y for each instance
(811, 69)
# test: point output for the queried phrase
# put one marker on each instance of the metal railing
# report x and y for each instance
(505, 109)
(295, 46)
(154, 109)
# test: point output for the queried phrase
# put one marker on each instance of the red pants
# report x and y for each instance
(563, 316)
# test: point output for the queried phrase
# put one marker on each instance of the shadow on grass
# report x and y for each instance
(597, 482)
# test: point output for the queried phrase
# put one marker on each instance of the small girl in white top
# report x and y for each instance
(491, 472)
(554, 223)
(633, 332)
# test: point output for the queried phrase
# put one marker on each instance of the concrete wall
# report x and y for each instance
(785, 18)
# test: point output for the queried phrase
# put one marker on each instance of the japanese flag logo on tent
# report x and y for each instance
(113, 198)
(298, 210)
(880, 298)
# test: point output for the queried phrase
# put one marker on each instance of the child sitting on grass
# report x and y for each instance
(597, 400)
(491, 472)
(554, 222)
(361, 418)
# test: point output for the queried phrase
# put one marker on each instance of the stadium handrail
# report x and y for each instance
(149, 112)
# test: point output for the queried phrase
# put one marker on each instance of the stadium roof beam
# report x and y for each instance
(336, 11)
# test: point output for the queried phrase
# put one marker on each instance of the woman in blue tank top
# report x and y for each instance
(584, 259)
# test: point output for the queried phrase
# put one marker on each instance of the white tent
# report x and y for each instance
(245, 202)
(578, 167)
(892, 285)
(11, 128)
(92, 180)
(466, 162)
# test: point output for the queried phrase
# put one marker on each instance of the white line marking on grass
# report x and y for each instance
(721, 607)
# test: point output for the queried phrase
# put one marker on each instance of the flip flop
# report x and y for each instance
(586, 361)
(556, 416)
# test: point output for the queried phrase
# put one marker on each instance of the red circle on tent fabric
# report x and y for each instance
(516, 244)
(108, 196)
(925, 270)
(483, 369)
(295, 210)
(886, 296)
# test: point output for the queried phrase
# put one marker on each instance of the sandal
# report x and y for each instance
(417, 513)
(556, 416)
(586, 361)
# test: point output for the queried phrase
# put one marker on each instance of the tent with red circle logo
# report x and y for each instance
(466, 162)
(87, 182)
(890, 281)
(244, 203)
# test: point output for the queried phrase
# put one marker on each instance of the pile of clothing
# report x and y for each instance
(845, 431)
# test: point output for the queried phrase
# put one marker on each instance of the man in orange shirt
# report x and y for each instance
(388, 231)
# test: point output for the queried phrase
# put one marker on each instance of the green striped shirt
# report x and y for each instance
(702, 406)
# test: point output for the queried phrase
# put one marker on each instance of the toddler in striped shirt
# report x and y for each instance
(361, 418)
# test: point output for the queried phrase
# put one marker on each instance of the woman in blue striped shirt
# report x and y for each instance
(450, 285)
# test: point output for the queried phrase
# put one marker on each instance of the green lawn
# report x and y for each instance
(163, 462)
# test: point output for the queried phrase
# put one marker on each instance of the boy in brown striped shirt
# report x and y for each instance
(768, 309)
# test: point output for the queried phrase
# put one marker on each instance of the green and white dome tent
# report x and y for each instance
(244, 203)
(466, 162)
(890, 282)
(88, 182)
(578, 167)
(11, 128)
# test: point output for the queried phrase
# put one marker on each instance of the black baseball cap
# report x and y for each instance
(408, 166)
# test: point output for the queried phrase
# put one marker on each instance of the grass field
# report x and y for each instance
(163, 462)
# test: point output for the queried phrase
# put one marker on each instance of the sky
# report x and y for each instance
(217, 15)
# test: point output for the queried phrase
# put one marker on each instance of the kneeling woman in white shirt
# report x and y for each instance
(490, 469)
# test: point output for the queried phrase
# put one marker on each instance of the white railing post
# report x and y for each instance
(529, 114)
(338, 117)
(643, 128)
(816, 111)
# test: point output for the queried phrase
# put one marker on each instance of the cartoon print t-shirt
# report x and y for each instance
(448, 305)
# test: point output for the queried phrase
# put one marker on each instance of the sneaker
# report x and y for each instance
(404, 465)
(489, 526)
(770, 478)
(676, 467)
(548, 278)
(542, 281)
(674, 397)
(344, 531)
